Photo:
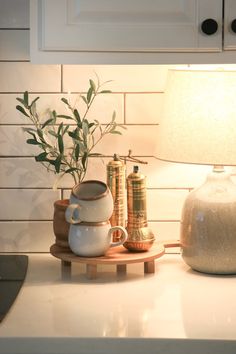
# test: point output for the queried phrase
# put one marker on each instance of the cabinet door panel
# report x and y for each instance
(210, 10)
(14, 14)
(229, 34)
(127, 25)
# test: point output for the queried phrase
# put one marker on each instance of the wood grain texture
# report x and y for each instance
(117, 255)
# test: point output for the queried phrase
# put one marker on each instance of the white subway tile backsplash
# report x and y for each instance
(27, 173)
(96, 171)
(105, 105)
(165, 231)
(143, 108)
(46, 102)
(102, 108)
(14, 44)
(161, 174)
(13, 142)
(26, 186)
(110, 144)
(165, 204)
(27, 204)
(66, 193)
(26, 236)
(140, 139)
(97, 168)
(14, 14)
(125, 78)
(21, 76)
(24, 173)
(9, 114)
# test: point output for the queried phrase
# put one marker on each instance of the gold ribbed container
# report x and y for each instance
(116, 183)
(140, 237)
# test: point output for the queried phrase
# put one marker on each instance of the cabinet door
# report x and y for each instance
(230, 25)
(126, 25)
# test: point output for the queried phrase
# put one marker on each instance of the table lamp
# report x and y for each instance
(198, 126)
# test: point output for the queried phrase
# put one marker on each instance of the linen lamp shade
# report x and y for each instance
(198, 123)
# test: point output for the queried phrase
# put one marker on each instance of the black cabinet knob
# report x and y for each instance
(233, 26)
(209, 26)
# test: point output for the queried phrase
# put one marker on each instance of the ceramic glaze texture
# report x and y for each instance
(90, 201)
(207, 244)
(93, 240)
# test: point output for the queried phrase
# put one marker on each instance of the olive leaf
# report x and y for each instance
(84, 159)
(64, 116)
(53, 133)
(77, 152)
(57, 163)
(22, 101)
(115, 132)
(92, 85)
(33, 142)
(21, 109)
(65, 101)
(85, 127)
(41, 157)
(34, 101)
(72, 169)
(50, 120)
(105, 91)
(84, 99)
(31, 131)
(26, 98)
(77, 117)
(60, 144)
(89, 94)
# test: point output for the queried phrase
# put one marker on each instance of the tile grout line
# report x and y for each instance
(68, 188)
(72, 92)
(161, 221)
(124, 112)
(62, 78)
(127, 124)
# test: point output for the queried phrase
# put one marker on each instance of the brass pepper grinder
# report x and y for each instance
(140, 237)
(116, 183)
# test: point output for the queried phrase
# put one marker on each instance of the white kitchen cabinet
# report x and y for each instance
(130, 31)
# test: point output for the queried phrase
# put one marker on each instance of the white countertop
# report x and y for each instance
(175, 310)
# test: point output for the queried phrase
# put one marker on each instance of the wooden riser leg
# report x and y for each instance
(91, 271)
(65, 270)
(149, 267)
(121, 269)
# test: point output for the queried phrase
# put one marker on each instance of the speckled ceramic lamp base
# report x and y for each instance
(208, 227)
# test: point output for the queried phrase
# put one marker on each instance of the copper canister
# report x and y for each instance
(140, 237)
(116, 183)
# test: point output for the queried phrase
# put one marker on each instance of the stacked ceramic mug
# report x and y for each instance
(89, 211)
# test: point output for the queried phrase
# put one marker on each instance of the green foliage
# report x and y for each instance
(66, 141)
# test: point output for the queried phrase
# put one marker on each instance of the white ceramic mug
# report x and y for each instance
(94, 239)
(90, 201)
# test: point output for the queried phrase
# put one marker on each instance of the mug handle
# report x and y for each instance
(123, 237)
(69, 214)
